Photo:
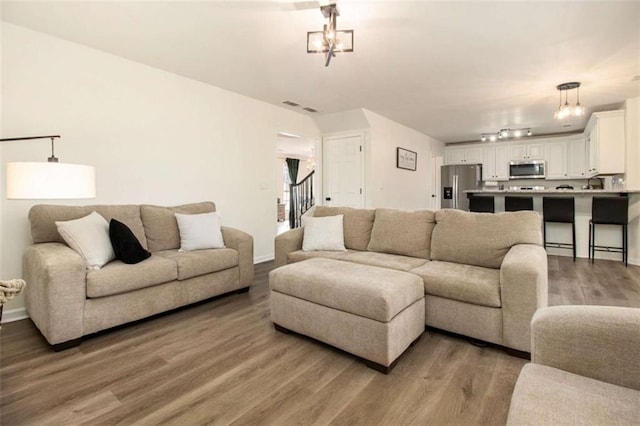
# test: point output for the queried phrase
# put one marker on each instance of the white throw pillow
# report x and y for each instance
(199, 231)
(323, 233)
(89, 236)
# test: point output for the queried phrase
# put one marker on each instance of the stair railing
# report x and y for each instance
(300, 200)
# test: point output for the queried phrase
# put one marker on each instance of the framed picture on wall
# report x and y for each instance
(406, 159)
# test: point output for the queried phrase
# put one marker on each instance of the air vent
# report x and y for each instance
(636, 78)
(293, 104)
(310, 109)
(567, 125)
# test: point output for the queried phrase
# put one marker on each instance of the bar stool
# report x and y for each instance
(609, 211)
(559, 210)
(481, 204)
(514, 204)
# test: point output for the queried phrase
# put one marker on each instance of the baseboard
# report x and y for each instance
(261, 259)
(14, 315)
(599, 256)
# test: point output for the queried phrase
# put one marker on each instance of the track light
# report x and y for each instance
(506, 134)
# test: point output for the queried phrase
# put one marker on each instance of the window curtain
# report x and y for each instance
(292, 164)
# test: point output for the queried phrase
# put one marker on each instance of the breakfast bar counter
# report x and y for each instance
(553, 191)
(607, 235)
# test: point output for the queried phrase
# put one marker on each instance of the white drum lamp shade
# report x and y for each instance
(50, 180)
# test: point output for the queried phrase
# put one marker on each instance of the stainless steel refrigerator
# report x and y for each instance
(455, 180)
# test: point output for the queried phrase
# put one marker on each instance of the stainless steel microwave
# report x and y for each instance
(530, 169)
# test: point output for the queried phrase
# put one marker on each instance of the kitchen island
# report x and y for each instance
(558, 232)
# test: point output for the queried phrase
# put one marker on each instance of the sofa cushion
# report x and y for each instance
(367, 291)
(161, 227)
(465, 283)
(299, 255)
(89, 237)
(43, 219)
(482, 239)
(199, 231)
(402, 232)
(117, 277)
(548, 396)
(125, 245)
(358, 224)
(384, 260)
(194, 263)
(323, 233)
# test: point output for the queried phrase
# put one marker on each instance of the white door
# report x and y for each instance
(343, 171)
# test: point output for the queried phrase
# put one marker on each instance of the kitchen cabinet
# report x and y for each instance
(495, 163)
(463, 155)
(605, 143)
(565, 159)
(526, 151)
(576, 159)
(556, 160)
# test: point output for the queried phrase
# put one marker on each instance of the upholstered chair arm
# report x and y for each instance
(243, 243)
(523, 290)
(601, 342)
(56, 290)
(286, 243)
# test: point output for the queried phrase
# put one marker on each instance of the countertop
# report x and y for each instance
(553, 191)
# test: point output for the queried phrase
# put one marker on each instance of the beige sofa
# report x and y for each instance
(484, 274)
(66, 301)
(585, 368)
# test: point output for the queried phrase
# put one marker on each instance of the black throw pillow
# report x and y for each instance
(125, 245)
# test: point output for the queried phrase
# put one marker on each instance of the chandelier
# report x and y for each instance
(566, 110)
(506, 134)
(330, 40)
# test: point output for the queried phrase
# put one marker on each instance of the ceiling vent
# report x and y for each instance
(310, 109)
(293, 104)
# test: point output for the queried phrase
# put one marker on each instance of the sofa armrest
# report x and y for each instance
(523, 290)
(56, 290)
(243, 243)
(286, 243)
(601, 342)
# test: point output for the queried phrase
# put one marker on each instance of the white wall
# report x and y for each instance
(632, 133)
(632, 174)
(153, 136)
(387, 185)
(345, 121)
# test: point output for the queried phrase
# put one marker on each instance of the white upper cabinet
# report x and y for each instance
(565, 158)
(605, 143)
(526, 151)
(495, 163)
(556, 159)
(463, 155)
(576, 159)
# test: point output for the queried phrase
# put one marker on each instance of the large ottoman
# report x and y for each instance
(374, 313)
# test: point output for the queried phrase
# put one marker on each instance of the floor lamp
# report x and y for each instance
(50, 180)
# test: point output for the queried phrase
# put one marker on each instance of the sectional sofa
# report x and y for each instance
(585, 368)
(484, 275)
(66, 301)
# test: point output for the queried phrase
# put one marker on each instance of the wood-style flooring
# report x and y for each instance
(221, 362)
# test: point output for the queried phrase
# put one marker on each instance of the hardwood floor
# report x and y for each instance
(221, 362)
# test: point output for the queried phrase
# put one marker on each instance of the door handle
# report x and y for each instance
(328, 199)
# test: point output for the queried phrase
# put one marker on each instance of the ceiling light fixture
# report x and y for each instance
(506, 134)
(566, 110)
(50, 180)
(330, 40)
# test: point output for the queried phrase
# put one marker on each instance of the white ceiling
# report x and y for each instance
(449, 69)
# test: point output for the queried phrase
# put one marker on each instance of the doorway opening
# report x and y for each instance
(294, 189)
